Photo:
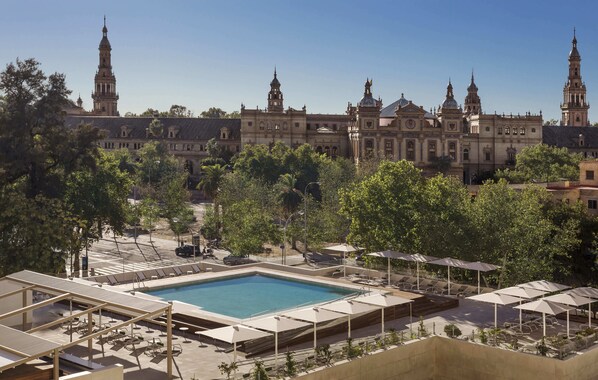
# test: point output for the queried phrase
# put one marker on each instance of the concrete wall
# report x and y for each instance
(113, 372)
(440, 358)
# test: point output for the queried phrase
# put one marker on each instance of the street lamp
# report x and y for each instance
(305, 213)
(284, 239)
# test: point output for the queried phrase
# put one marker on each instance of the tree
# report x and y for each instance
(443, 225)
(38, 155)
(180, 221)
(246, 227)
(233, 115)
(155, 128)
(551, 122)
(153, 113)
(210, 181)
(150, 213)
(214, 113)
(383, 208)
(288, 196)
(179, 111)
(543, 163)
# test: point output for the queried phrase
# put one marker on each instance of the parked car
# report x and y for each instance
(237, 260)
(187, 250)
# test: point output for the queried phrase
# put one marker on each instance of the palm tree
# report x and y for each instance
(288, 196)
(210, 181)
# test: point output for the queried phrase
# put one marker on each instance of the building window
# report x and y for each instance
(487, 155)
(388, 148)
(262, 126)
(296, 125)
(522, 131)
(334, 152)
(368, 124)
(533, 130)
(589, 174)
(250, 123)
(452, 147)
(465, 154)
(514, 130)
(410, 150)
(500, 131)
(431, 150)
(308, 126)
(592, 204)
(369, 148)
(507, 130)
(487, 129)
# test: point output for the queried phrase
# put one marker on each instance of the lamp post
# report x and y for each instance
(149, 182)
(284, 239)
(305, 213)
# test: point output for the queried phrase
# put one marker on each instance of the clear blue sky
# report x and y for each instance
(221, 53)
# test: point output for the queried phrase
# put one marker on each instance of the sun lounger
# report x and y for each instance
(161, 273)
(177, 271)
(195, 268)
(112, 280)
(140, 277)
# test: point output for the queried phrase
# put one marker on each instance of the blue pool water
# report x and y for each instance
(246, 296)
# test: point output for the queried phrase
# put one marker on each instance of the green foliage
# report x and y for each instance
(228, 368)
(214, 113)
(210, 180)
(542, 348)
(211, 224)
(351, 350)
(150, 213)
(290, 366)
(323, 354)
(155, 128)
(543, 163)
(259, 371)
(218, 153)
(384, 207)
(392, 338)
(246, 227)
(39, 226)
(452, 331)
(421, 328)
(180, 220)
(288, 196)
(483, 336)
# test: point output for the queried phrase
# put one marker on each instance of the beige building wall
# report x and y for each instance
(440, 358)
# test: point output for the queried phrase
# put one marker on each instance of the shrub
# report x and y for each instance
(421, 329)
(392, 337)
(452, 331)
(542, 348)
(259, 371)
(227, 369)
(483, 336)
(290, 369)
(323, 354)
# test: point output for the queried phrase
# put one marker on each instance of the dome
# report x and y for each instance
(367, 101)
(450, 103)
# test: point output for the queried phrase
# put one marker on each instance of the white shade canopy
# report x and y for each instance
(546, 307)
(543, 306)
(520, 292)
(569, 299)
(235, 334)
(314, 314)
(495, 298)
(479, 266)
(544, 285)
(275, 324)
(450, 262)
(585, 292)
(417, 257)
(383, 300)
(388, 254)
(349, 307)
(343, 248)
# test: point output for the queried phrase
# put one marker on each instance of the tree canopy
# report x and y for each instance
(543, 163)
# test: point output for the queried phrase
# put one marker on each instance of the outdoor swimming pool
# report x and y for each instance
(251, 295)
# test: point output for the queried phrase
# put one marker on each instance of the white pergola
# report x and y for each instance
(344, 249)
(523, 294)
(496, 299)
(388, 255)
(417, 258)
(571, 300)
(545, 307)
(235, 334)
(19, 347)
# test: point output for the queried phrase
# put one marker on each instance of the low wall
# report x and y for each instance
(113, 372)
(440, 358)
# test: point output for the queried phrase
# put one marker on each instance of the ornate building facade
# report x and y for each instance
(575, 106)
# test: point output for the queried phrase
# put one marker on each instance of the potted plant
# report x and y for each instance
(452, 331)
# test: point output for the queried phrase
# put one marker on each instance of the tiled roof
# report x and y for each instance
(568, 137)
(189, 128)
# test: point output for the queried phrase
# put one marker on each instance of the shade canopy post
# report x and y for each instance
(417, 273)
(276, 349)
(315, 334)
(478, 282)
(449, 280)
(388, 271)
(543, 324)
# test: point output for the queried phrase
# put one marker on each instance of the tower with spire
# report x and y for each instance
(473, 104)
(275, 98)
(575, 106)
(105, 97)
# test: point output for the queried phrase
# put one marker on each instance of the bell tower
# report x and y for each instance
(473, 104)
(105, 97)
(275, 98)
(574, 107)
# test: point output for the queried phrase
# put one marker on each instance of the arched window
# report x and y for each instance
(319, 149)
(522, 131)
(327, 150)
(465, 154)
